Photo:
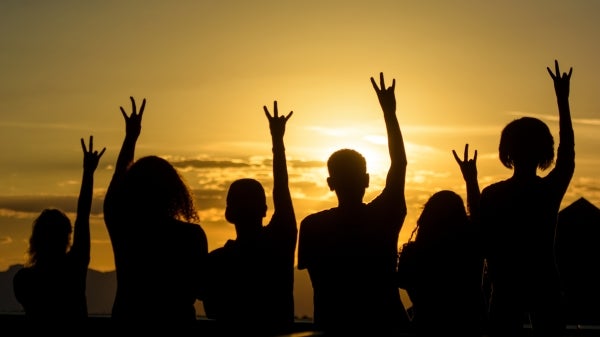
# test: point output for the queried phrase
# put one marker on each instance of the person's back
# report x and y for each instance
(250, 279)
(350, 251)
(445, 283)
(160, 272)
(52, 293)
(351, 263)
(519, 217)
(252, 285)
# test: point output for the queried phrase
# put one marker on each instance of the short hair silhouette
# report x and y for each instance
(526, 140)
(348, 175)
(346, 161)
(152, 186)
(246, 199)
(50, 235)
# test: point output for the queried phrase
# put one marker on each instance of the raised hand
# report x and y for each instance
(133, 123)
(386, 96)
(468, 167)
(90, 157)
(276, 122)
(561, 82)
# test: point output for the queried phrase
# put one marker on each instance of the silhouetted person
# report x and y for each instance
(519, 217)
(251, 278)
(350, 251)
(444, 281)
(158, 248)
(52, 285)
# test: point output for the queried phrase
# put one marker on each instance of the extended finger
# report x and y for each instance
(289, 115)
(556, 67)
(466, 155)
(374, 84)
(142, 107)
(101, 153)
(381, 81)
(83, 145)
(275, 111)
(123, 113)
(456, 157)
(266, 110)
(133, 107)
(475, 156)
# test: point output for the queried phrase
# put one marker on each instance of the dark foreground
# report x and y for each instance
(103, 326)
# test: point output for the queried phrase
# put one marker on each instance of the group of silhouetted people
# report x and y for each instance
(486, 268)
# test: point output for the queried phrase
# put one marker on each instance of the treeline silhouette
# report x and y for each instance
(485, 268)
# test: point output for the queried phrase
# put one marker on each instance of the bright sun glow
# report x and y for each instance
(376, 155)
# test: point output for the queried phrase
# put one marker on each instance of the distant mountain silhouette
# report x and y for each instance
(8, 302)
(578, 257)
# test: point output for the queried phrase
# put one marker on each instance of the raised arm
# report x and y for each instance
(282, 200)
(133, 127)
(565, 158)
(468, 168)
(397, 173)
(81, 232)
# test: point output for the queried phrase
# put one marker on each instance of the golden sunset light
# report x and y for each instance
(462, 71)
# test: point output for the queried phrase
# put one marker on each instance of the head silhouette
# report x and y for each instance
(348, 175)
(154, 188)
(526, 141)
(246, 202)
(50, 236)
(442, 216)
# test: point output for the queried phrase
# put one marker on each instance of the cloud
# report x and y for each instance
(45, 126)
(16, 206)
(586, 121)
(485, 130)
(10, 213)
(204, 164)
(306, 164)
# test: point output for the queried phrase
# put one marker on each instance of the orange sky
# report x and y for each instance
(463, 70)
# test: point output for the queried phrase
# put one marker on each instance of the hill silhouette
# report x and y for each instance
(578, 257)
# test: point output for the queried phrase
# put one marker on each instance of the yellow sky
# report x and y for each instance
(463, 70)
